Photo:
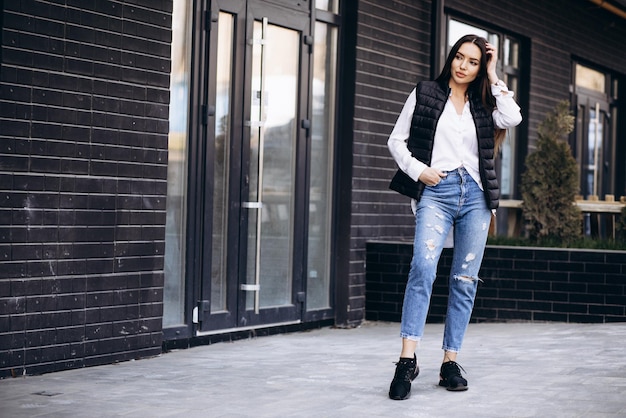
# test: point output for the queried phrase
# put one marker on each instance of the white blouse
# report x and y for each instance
(456, 143)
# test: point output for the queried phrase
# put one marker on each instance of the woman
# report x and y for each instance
(444, 143)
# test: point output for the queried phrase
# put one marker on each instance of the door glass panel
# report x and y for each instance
(225, 51)
(322, 134)
(271, 172)
(176, 210)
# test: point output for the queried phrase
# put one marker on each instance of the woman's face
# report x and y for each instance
(466, 63)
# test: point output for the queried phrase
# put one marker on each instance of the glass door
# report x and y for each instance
(257, 132)
(270, 177)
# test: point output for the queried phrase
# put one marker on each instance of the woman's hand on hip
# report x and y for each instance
(431, 176)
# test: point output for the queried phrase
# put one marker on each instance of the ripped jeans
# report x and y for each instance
(456, 201)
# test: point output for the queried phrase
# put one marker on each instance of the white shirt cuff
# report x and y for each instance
(500, 89)
(415, 169)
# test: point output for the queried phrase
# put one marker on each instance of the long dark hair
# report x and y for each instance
(480, 86)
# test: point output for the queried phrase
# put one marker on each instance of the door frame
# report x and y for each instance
(239, 317)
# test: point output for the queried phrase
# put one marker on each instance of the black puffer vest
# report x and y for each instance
(431, 99)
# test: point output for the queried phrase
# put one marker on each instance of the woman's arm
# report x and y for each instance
(397, 142)
(507, 112)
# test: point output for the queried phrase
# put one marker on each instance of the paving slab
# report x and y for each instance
(513, 369)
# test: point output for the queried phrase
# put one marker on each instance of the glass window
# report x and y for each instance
(174, 302)
(594, 133)
(458, 29)
(511, 53)
(328, 5)
(320, 191)
(590, 79)
(510, 75)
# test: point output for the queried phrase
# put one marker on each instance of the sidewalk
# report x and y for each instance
(514, 370)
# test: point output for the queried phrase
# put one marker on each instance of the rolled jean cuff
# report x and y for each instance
(410, 337)
(450, 349)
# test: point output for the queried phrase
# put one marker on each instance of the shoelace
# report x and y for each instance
(404, 370)
(452, 368)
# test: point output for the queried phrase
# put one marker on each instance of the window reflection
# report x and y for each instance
(173, 298)
(322, 134)
(511, 53)
(225, 52)
(274, 107)
(594, 151)
(590, 79)
(458, 29)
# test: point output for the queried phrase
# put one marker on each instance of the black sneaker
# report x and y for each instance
(406, 371)
(450, 376)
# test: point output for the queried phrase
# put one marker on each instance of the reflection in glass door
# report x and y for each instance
(273, 134)
(321, 172)
(177, 166)
(222, 129)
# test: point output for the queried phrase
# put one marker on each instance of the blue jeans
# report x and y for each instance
(456, 201)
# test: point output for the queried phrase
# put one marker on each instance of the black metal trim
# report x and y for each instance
(343, 163)
(183, 343)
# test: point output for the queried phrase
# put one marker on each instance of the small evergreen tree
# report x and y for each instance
(550, 182)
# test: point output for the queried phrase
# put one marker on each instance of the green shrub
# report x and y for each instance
(550, 183)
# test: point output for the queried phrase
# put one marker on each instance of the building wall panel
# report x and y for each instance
(83, 162)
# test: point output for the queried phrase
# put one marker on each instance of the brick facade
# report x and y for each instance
(83, 164)
(524, 284)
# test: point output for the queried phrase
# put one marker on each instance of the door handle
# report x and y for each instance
(252, 205)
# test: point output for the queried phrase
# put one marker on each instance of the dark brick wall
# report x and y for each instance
(519, 284)
(84, 93)
(393, 53)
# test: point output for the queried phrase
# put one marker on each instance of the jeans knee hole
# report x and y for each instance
(467, 279)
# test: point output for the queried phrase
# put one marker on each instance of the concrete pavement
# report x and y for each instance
(513, 369)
